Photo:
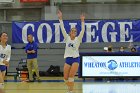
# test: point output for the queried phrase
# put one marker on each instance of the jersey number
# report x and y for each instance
(2, 55)
(70, 45)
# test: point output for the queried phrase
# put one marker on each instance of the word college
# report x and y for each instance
(95, 31)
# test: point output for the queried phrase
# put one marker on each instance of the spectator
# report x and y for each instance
(121, 49)
(133, 49)
(110, 49)
(105, 49)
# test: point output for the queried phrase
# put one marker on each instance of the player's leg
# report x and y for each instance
(73, 71)
(3, 71)
(67, 67)
(1, 78)
(2, 75)
(66, 71)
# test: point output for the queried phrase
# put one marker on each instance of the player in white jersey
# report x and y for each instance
(5, 53)
(71, 51)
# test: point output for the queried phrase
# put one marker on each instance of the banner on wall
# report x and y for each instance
(95, 31)
(109, 66)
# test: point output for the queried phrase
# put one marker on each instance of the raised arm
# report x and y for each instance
(59, 14)
(82, 17)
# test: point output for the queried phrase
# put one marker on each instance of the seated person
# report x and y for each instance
(122, 49)
(133, 49)
(110, 49)
(105, 49)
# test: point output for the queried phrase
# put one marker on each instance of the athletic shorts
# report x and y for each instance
(2, 68)
(71, 60)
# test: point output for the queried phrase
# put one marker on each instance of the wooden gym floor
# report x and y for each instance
(56, 85)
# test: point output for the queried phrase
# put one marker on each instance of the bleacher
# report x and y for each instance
(53, 54)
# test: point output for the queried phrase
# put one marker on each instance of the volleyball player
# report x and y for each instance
(71, 51)
(5, 53)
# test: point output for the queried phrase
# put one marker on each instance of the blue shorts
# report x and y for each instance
(2, 68)
(71, 60)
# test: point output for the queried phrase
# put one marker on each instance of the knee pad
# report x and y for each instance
(65, 80)
(71, 79)
(1, 85)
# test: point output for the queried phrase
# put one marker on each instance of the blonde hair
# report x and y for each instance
(72, 29)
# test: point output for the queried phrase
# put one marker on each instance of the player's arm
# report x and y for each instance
(6, 61)
(59, 14)
(82, 17)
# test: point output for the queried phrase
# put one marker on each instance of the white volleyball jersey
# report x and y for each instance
(5, 54)
(72, 46)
